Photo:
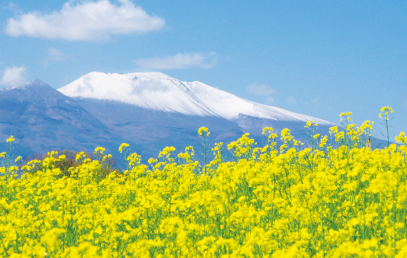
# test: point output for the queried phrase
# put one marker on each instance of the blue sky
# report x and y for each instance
(318, 58)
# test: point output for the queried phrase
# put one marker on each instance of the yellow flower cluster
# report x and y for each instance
(345, 116)
(338, 204)
(342, 202)
(11, 139)
(401, 138)
(203, 131)
(243, 147)
(122, 146)
(310, 124)
(385, 111)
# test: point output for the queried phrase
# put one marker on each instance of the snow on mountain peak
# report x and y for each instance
(155, 91)
(159, 91)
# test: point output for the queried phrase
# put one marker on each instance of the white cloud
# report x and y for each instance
(291, 100)
(13, 76)
(179, 61)
(87, 21)
(260, 89)
(54, 55)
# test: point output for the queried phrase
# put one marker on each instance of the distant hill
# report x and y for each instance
(42, 119)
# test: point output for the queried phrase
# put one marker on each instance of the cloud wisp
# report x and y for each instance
(179, 61)
(315, 100)
(13, 76)
(54, 55)
(292, 100)
(262, 90)
(85, 21)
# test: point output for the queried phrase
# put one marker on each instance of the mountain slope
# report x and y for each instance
(42, 119)
(155, 129)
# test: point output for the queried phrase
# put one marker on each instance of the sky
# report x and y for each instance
(318, 58)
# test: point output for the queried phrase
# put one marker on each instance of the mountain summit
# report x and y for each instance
(160, 92)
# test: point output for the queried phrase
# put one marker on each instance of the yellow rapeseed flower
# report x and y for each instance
(339, 136)
(350, 127)
(123, 145)
(367, 125)
(202, 130)
(308, 124)
(323, 141)
(267, 130)
(386, 108)
(285, 132)
(80, 155)
(260, 203)
(11, 139)
(333, 130)
(106, 157)
(101, 149)
(232, 145)
(50, 237)
(401, 138)
(151, 161)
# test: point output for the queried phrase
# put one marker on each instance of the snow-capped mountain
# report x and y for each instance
(156, 110)
(160, 92)
(147, 110)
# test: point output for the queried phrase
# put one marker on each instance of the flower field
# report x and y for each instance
(343, 199)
